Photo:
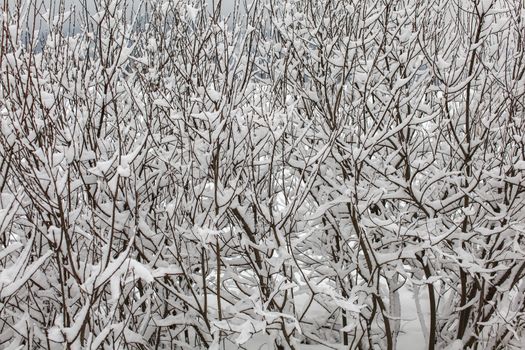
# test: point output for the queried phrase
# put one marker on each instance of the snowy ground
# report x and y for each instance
(411, 335)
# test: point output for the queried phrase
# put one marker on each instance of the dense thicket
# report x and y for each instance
(301, 172)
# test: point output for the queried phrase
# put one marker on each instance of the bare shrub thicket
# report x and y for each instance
(301, 172)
